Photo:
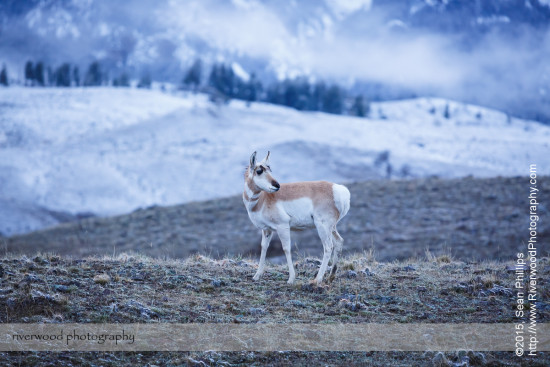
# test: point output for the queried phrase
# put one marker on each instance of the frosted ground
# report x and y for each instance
(109, 151)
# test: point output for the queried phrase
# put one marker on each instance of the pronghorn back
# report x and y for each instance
(303, 201)
(320, 193)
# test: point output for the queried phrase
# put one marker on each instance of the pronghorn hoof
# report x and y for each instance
(256, 277)
(290, 281)
(315, 282)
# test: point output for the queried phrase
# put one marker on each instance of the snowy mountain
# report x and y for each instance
(255, 32)
(488, 52)
(106, 151)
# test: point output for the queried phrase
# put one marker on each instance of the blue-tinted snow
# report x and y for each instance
(109, 151)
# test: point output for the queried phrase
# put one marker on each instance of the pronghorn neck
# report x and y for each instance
(251, 193)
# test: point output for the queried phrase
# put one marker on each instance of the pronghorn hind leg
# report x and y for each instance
(326, 237)
(266, 239)
(338, 244)
(284, 236)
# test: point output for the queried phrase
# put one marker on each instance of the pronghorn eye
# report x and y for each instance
(260, 171)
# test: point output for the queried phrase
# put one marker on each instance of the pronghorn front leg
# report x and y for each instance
(266, 239)
(284, 236)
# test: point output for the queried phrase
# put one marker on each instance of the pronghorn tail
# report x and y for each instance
(341, 199)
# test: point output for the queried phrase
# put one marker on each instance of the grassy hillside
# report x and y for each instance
(127, 288)
(469, 218)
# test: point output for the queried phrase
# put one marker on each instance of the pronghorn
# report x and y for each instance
(294, 206)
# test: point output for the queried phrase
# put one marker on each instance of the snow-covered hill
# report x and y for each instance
(109, 151)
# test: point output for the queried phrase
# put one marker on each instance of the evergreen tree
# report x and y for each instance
(333, 101)
(276, 94)
(4, 76)
(93, 75)
(76, 76)
(39, 73)
(297, 93)
(303, 89)
(222, 79)
(291, 94)
(318, 96)
(145, 81)
(359, 108)
(193, 76)
(122, 81)
(240, 88)
(63, 75)
(213, 77)
(446, 112)
(227, 81)
(214, 84)
(253, 89)
(51, 76)
(29, 74)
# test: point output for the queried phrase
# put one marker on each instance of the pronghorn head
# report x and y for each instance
(259, 173)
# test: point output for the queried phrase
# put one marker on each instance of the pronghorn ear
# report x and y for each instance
(267, 157)
(253, 160)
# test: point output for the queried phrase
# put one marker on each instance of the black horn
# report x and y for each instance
(253, 160)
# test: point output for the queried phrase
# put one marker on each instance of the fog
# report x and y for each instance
(496, 57)
(505, 66)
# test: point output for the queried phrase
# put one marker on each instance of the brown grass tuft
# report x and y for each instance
(102, 279)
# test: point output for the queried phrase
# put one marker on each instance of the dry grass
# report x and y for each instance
(102, 279)
(202, 289)
(134, 288)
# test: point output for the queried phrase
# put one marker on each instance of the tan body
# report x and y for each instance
(294, 206)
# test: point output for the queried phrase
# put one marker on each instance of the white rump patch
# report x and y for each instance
(341, 199)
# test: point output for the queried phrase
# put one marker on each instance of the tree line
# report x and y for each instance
(65, 75)
(222, 83)
(299, 93)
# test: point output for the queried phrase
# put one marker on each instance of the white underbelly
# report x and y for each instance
(299, 212)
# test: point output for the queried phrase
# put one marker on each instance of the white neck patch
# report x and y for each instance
(251, 196)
